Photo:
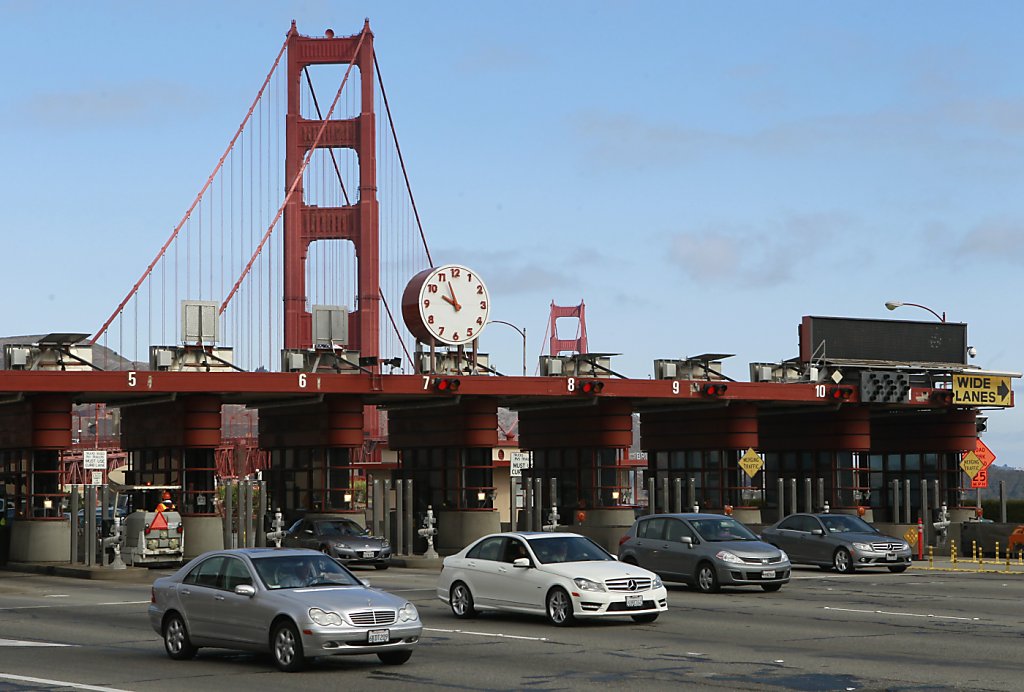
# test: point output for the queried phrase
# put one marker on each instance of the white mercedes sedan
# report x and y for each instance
(563, 576)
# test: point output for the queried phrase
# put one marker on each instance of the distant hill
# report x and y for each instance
(1013, 479)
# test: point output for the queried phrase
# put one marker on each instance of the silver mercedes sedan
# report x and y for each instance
(294, 604)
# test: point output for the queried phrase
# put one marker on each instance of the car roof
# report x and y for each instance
(687, 515)
(536, 534)
(264, 552)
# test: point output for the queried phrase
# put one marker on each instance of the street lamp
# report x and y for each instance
(522, 332)
(893, 304)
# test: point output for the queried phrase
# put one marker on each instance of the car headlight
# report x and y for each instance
(863, 547)
(726, 556)
(385, 544)
(587, 585)
(785, 558)
(656, 584)
(408, 613)
(324, 617)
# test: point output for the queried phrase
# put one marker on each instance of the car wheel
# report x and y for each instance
(384, 566)
(842, 562)
(707, 578)
(559, 608)
(394, 658)
(461, 601)
(646, 617)
(286, 648)
(176, 640)
(898, 568)
(771, 587)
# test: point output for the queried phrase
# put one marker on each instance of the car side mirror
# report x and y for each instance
(521, 562)
(309, 531)
(686, 540)
(817, 532)
(245, 590)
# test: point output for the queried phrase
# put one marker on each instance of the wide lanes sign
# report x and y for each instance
(982, 390)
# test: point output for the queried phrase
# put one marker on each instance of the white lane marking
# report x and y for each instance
(909, 615)
(694, 653)
(75, 605)
(487, 634)
(120, 603)
(20, 642)
(61, 683)
(56, 595)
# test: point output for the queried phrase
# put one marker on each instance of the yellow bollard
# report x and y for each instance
(931, 557)
(952, 551)
(974, 551)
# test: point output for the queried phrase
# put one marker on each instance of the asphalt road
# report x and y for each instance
(867, 631)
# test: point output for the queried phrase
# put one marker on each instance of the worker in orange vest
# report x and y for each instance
(166, 503)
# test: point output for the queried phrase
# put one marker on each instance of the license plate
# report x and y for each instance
(378, 636)
(890, 557)
(770, 574)
(367, 553)
(634, 601)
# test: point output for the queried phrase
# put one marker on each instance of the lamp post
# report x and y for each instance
(522, 332)
(893, 304)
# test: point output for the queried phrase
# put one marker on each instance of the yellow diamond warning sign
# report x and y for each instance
(911, 537)
(971, 464)
(751, 463)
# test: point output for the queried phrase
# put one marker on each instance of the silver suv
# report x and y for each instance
(704, 550)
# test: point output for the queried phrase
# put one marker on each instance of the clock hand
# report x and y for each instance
(450, 301)
(454, 301)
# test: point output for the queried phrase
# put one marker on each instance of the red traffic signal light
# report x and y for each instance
(445, 384)
(840, 393)
(591, 386)
(713, 389)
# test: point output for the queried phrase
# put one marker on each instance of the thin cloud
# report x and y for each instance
(110, 104)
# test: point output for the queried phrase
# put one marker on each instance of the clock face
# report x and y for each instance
(453, 305)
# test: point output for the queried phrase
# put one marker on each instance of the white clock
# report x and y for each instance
(448, 304)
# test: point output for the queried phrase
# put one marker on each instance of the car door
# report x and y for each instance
(481, 570)
(196, 595)
(519, 587)
(817, 547)
(240, 618)
(679, 559)
(788, 535)
(649, 544)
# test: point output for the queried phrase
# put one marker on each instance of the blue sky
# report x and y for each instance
(701, 174)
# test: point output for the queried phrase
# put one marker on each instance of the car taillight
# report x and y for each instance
(181, 529)
(152, 595)
(625, 537)
(147, 530)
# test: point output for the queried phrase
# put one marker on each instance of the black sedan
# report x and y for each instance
(340, 538)
(837, 541)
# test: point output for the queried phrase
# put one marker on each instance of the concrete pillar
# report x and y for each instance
(528, 504)
(677, 492)
(907, 515)
(76, 504)
(792, 496)
(399, 518)
(228, 519)
(651, 496)
(782, 498)
(691, 494)
(808, 497)
(895, 500)
(1002, 502)
(538, 503)
(410, 532)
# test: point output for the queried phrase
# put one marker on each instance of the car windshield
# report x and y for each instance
(339, 527)
(297, 571)
(842, 523)
(556, 549)
(719, 529)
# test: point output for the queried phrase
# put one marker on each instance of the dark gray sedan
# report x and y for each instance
(339, 537)
(837, 541)
(294, 604)
(704, 550)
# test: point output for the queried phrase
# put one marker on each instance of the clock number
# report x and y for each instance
(483, 304)
(480, 321)
(430, 319)
(469, 332)
(469, 276)
(570, 384)
(479, 289)
(455, 336)
(456, 272)
(442, 277)
(426, 303)
(675, 386)
(440, 331)
(432, 288)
